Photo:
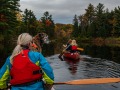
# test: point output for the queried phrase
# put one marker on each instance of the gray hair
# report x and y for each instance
(74, 42)
(23, 39)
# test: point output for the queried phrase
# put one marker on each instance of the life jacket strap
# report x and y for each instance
(28, 83)
(37, 72)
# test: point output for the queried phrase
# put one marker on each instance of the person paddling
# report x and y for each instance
(72, 48)
(65, 47)
(26, 69)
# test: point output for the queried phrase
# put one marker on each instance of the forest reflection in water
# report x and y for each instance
(103, 52)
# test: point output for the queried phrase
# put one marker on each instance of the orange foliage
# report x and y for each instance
(2, 18)
(48, 23)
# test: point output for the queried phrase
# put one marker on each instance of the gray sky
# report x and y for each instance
(63, 11)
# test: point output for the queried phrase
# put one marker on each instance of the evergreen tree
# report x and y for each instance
(116, 21)
(8, 10)
(75, 32)
(100, 20)
(30, 21)
(90, 16)
(8, 21)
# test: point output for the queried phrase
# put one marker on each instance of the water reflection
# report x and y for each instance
(86, 67)
(96, 61)
(104, 52)
(72, 64)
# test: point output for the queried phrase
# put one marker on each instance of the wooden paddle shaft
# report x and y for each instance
(90, 81)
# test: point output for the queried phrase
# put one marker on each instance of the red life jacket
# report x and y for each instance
(23, 70)
(74, 47)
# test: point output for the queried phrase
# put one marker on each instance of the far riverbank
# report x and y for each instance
(101, 41)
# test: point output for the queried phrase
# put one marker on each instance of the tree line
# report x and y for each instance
(97, 22)
(12, 22)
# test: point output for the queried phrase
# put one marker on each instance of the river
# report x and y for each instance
(95, 62)
(86, 67)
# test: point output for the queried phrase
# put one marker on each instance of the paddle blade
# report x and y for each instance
(80, 49)
(91, 81)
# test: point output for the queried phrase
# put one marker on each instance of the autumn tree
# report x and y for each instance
(48, 24)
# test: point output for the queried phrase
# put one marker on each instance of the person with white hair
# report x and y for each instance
(72, 47)
(26, 69)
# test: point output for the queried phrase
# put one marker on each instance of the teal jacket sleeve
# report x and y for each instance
(4, 74)
(44, 64)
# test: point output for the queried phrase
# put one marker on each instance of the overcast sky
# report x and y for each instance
(63, 11)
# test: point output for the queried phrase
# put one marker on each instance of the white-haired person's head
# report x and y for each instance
(23, 41)
(74, 42)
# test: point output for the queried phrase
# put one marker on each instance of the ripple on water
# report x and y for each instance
(86, 67)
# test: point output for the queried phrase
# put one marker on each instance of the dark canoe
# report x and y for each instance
(73, 56)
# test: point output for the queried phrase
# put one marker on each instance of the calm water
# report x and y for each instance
(95, 62)
(86, 67)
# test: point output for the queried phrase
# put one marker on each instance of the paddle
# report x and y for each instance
(90, 81)
(80, 49)
(87, 81)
